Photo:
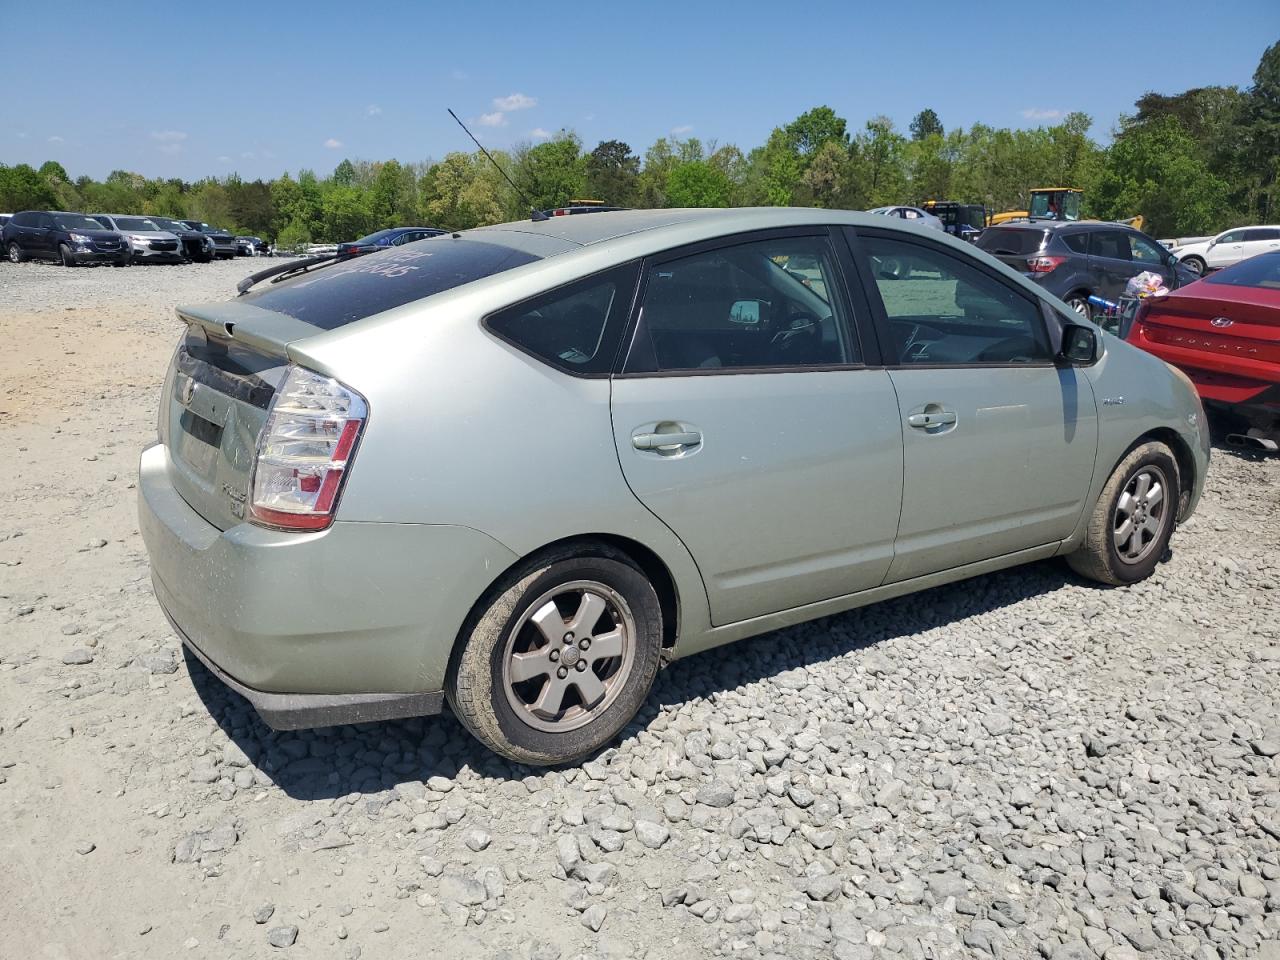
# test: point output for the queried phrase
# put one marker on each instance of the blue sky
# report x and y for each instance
(219, 86)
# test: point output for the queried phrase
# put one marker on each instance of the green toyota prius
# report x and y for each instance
(520, 468)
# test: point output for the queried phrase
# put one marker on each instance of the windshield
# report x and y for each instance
(135, 223)
(75, 221)
(1260, 271)
(164, 223)
(359, 287)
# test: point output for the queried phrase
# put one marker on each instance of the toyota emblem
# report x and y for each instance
(1222, 321)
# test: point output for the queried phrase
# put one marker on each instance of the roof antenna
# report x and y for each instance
(534, 213)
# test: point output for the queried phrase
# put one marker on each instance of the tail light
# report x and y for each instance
(304, 451)
(1045, 264)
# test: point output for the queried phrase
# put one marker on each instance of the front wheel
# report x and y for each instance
(1195, 264)
(64, 253)
(559, 659)
(1079, 302)
(15, 253)
(1133, 519)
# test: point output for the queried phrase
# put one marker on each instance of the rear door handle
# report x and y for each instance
(938, 418)
(659, 441)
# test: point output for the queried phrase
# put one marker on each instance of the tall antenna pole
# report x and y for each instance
(536, 214)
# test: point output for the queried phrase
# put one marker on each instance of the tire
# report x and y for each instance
(546, 717)
(1195, 264)
(64, 254)
(1079, 302)
(15, 253)
(1107, 554)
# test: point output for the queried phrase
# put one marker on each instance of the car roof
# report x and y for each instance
(611, 225)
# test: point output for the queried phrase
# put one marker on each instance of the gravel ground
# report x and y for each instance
(1021, 765)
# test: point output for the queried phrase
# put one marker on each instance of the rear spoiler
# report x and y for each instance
(265, 331)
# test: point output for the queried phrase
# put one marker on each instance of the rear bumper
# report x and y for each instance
(356, 622)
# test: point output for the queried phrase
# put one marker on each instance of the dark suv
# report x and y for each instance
(1076, 260)
(71, 238)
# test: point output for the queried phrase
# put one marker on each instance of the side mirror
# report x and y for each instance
(745, 312)
(1079, 345)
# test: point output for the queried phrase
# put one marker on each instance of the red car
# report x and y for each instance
(1224, 333)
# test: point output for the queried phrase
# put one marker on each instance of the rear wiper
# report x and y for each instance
(284, 271)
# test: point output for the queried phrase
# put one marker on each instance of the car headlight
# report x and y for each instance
(80, 238)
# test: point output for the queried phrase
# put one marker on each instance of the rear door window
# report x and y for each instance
(774, 303)
(336, 295)
(1076, 242)
(1110, 244)
(575, 328)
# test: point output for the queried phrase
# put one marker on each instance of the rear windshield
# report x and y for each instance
(374, 238)
(1260, 271)
(1011, 240)
(334, 296)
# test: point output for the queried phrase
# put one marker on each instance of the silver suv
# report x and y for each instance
(150, 244)
(523, 466)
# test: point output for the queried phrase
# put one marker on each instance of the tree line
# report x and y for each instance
(1191, 163)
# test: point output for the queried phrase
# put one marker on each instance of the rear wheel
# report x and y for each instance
(1079, 302)
(64, 253)
(559, 659)
(1133, 520)
(1195, 264)
(15, 253)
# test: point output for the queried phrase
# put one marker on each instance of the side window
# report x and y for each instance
(575, 328)
(1077, 242)
(944, 310)
(26, 219)
(1235, 236)
(46, 221)
(769, 303)
(1144, 251)
(1112, 244)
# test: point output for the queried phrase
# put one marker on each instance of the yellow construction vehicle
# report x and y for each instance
(1047, 203)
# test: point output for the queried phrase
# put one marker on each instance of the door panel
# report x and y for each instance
(791, 492)
(1011, 472)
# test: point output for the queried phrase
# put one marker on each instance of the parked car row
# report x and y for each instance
(74, 239)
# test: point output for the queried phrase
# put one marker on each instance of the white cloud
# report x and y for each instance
(333, 143)
(1041, 113)
(373, 110)
(56, 139)
(224, 159)
(458, 75)
(496, 119)
(682, 129)
(517, 101)
(539, 134)
(170, 148)
(21, 135)
(247, 155)
(168, 136)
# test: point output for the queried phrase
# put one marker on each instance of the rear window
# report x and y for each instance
(334, 296)
(1260, 271)
(1011, 241)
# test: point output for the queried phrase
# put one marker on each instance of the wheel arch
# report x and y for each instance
(650, 563)
(1182, 455)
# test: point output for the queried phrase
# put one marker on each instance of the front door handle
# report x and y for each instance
(935, 418)
(659, 441)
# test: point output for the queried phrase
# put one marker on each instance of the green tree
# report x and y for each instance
(813, 129)
(612, 171)
(464, 191)
(1157, 171)
(344, 174)
(696, 183)
(345, 214)
(551, 173)
(22, 188)
(1262, 140)
(53, 170)
(925, 124)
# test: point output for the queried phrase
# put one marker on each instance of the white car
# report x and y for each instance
(911, 215)
(1228, 247)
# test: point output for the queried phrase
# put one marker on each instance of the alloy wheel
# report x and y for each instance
(568, 656)
(1140, 514)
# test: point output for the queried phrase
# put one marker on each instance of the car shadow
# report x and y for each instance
(372, 758)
